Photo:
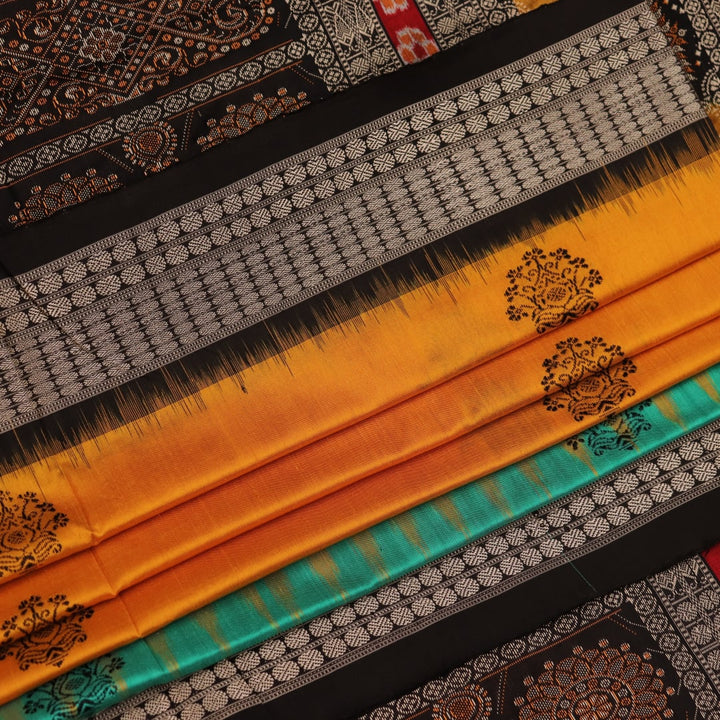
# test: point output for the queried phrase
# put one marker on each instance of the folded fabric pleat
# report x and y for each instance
(381, 444)
(448, 327)
(155, 602)
(382, 554)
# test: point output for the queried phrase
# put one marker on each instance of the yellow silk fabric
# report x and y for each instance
(156, 601)
(127, 475)
(648, 317)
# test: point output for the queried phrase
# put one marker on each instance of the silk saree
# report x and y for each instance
(419, 328)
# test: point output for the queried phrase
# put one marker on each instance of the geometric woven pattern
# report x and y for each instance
(130, 304)
(83, 56)
(172, 66)
(658, 606)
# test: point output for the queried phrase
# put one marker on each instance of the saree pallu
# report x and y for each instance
(450, 411)
(344, 572)
(192, 444)
(615, 528)
(134, 114)
(649, 649)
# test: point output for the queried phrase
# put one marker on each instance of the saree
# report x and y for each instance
(175, 447)
(146, 606)
(172, 534)
(605, 510)
(164, 444)
(422, 285)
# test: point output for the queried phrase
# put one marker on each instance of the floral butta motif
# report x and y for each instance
(473, 702)
(603, 683)
(78, 693)
(102, 45)
(588, 377)
(28, 532)
(44, 632)
(152, 147)
(618, 432)
(551, 288)
(60, 59)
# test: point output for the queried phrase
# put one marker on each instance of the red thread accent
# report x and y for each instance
(407, 29)
(712, 558)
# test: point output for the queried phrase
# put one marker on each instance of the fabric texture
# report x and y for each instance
(179, 444)
(597, 515)
(145, 607)
(313, 410)
(170, 539)
(647, 650)
(143, 87)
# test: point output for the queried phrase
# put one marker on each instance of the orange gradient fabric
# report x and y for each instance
(127, 475)
(153, 603)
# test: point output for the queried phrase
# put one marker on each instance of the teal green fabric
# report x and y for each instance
(363, 563)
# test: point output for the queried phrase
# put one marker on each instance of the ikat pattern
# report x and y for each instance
(77, 693)
(551, 289)
(558, 533)
(134, 302)
(587, 377)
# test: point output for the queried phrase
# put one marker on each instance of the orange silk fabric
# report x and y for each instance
(127, 475)
(651, 316)
(170, 594)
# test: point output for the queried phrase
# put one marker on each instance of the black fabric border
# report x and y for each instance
(311, 317)
(28, 247)
(414, 660)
